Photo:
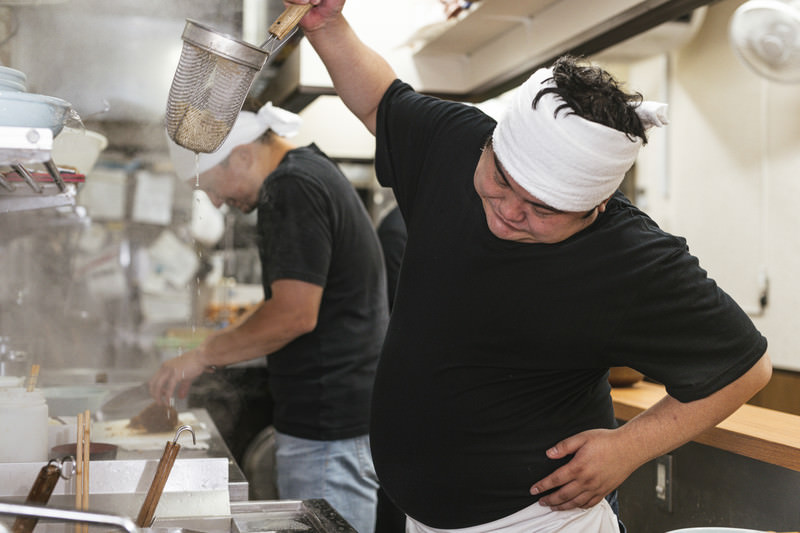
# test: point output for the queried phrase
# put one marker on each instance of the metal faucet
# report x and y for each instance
(68, 515)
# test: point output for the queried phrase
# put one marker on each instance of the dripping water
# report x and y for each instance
(194, 324)
(197, 169)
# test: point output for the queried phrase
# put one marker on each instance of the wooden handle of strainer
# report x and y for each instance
(40, 494)
(148, 509)
(288, 19)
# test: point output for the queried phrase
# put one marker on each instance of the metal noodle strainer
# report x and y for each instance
(213, 77)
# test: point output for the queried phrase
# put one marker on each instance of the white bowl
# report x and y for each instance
(12, 86)
(20, 109)
(78, 149)
(13, 75)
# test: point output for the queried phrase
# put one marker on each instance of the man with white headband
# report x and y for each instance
(526, 276)
(323, 319)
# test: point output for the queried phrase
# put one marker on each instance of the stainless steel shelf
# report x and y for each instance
(51, 196)
(23, 146)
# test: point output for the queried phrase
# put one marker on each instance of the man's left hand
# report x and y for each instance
(598, 467)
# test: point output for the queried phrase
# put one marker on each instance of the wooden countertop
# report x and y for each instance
(755, 432)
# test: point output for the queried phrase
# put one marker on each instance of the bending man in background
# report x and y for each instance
(324, 314)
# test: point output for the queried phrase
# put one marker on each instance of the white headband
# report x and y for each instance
(248, 127)
(567, 162)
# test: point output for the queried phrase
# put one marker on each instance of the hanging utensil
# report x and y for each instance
(148, 509)
(25, 175)
(55, 173)
(7, 185)
(41, 490)
(213, 77)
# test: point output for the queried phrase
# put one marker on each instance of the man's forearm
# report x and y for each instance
(670, 423)
(359, 74)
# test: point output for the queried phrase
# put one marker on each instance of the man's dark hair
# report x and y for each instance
(592, 93)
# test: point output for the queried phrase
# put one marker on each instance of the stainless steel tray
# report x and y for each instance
(273, 516)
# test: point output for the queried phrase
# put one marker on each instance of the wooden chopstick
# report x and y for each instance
(33, 378)
(83, 448)
(79, 470)
(87, 429)
(79, 464)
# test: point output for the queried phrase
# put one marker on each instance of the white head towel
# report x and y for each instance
(567, 162)
(248, 127)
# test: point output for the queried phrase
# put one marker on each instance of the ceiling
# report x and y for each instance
(513, 39)
(497, 44)
(114, 60)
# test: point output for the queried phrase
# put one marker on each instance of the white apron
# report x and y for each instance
(540, 519)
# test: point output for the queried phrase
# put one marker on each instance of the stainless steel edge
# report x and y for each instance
(224, 45)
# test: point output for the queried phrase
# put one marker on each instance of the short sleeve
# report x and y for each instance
(687, 333)
(297, 240)
(413, 130)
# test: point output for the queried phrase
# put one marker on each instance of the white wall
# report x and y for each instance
(730, 160)
(337, 132)
(327, 121)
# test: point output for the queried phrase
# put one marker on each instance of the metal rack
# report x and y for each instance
(20, 188)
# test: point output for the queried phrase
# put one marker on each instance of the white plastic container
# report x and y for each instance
(23, 417)
(78, 148)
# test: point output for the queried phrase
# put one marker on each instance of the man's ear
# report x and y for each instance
(240, 157)
(602, 206)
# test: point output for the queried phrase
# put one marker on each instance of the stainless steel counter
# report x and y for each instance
(194, 502)
(237, 483)
(288, 516)
(202, 481)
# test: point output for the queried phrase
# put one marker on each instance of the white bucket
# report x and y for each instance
(23, 417)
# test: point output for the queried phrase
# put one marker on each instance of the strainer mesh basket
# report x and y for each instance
(205, 98)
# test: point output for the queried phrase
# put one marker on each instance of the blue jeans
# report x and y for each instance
(613, 501)
(339, 471)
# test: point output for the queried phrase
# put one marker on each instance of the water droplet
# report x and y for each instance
(197, 169)
(73, 120)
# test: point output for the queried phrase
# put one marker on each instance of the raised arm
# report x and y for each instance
(360, 75)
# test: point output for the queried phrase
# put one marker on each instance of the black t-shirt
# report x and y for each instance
(392, 235)
(496, 350)
(314, 228)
